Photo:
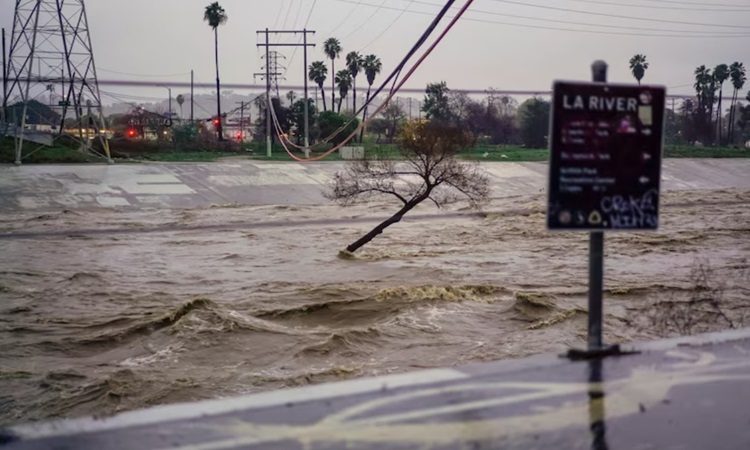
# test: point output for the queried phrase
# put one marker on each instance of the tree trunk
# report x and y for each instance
(396, 218)
(730, 126)
(364, 116)
(323, 94)
(711, 128)
(718, 113)
(354, 93)
(218, 84)
(333, 84)
(341, 98)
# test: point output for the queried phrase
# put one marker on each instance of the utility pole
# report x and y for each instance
(267, 44)
(304, 76)
(409, 108)
(242, 120)
(192, 91)
(3, 119)
(268, 101)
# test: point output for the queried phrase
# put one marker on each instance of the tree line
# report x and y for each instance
(702, 119)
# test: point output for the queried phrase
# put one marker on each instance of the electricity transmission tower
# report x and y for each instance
(51, 78)
(273, 70)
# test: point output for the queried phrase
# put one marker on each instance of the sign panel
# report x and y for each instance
(63, 103)
(605, 156)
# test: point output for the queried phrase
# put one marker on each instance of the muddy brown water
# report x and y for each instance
(166, 306)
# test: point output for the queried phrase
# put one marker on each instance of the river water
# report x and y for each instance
(104, 311)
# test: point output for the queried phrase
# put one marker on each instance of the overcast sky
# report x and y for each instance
(149, 38)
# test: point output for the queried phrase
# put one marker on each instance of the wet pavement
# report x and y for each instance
(191, 185)
(685, 393)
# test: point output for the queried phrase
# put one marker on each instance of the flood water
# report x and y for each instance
(105, 311)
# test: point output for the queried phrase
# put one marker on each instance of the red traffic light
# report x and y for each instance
(132, 133)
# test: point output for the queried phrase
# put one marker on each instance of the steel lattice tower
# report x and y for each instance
(273, 69)
(51, 61)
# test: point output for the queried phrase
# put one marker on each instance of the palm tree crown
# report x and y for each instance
(332, 49)
(291, 95)
(721, 73)
(354, 63)
(737, 73)
(317, 73)
(215, 15)
(344, 80)
(638, 66)
(372, 66)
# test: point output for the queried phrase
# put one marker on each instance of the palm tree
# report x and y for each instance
(215, 16)
(721, 74)
(354, 63)
(638, 66)
(737, 74)
(291, 96)
(317, 73)
(705, 87)
(332, 49)
(180, 101)
(344, 80)
(372, 66)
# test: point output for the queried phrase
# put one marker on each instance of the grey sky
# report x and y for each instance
(169, 37)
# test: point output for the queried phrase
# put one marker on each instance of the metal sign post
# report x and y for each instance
(605, 169)
(596, 254)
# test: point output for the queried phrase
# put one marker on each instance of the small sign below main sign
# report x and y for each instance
(605, 156)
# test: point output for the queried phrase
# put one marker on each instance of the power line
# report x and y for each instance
(516, 16)
(591, 13)
(388, 27)
(278, 15)
(307, 21)
(296, 17)
(343, 21)
(379, 7)
(724, 35)
(692, 3)
(312, 8)
(629, 5)
(289, 10)
(420, 42)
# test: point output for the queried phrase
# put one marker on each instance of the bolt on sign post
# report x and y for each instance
(605, 167)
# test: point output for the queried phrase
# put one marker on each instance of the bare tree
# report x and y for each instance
(428, 171)
(394, 115)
